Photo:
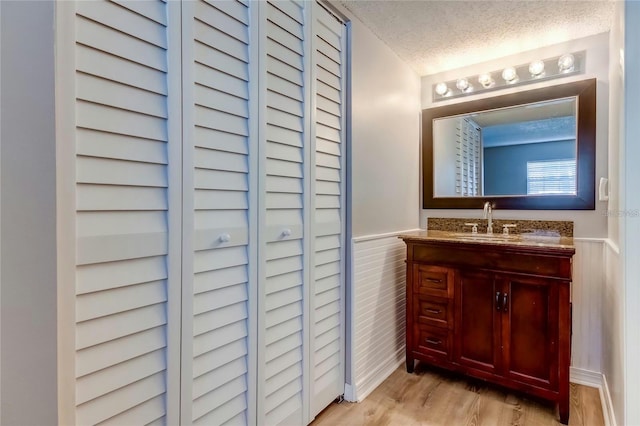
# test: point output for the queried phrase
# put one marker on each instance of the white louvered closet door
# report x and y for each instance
(121, 223)
(328, 229)
(205, 168)
(219, 250)
(284, 172)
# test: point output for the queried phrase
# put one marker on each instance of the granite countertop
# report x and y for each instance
(526, 240)
(562, 228)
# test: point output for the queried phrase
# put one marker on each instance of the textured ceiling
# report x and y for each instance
(434, 36)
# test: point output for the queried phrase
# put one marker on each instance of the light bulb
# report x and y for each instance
(486, 80)
(510, 75)
(442, 89)
(536, 68)
(463, 85)
(566, 63)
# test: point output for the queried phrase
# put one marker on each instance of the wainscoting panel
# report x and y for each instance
(378, 311)
(613, 324)
(586, 297)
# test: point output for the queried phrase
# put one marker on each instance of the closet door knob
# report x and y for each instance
(286, 232)
(224, 238)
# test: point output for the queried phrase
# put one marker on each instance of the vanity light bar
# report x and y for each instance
(533, 72)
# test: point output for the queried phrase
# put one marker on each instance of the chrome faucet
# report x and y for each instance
(488, 214)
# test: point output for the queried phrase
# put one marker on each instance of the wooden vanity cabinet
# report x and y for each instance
(498, 313)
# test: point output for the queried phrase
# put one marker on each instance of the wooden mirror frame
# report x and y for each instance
(584, 90)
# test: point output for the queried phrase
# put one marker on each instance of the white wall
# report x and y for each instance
(28, 277)
(587, 223)
(613, 290)
(385, 113)
(630, 203)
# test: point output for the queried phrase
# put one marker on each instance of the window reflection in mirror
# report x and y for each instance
(524, 150)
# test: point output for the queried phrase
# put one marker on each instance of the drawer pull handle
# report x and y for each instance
(434, 341)
(433, 311)
(434, 280)
(505, 301)
(497, 300)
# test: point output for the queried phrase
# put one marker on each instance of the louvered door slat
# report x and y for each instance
(234, 9)
(100, 357)
(294, 12)
(106, 381)
(216, 148)
(121, 120)
(112, 41)
(98, 277)
(126, 398)
(215, 319)
(111, 67)
(143, 414)
(280, 18)
(231, 412)
(121, 19)
(221, 41)
(326, 63)
(217, 18)
(154, 10)
(220, 61)
(92, 306)
(94, 143)
(217, 358)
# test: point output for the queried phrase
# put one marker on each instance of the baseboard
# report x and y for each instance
(596, 380)
(589, 378)
(376, 377)
(607, 405)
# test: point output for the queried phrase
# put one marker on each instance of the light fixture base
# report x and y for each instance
(548, 69)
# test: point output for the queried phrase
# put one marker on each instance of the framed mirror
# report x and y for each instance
(528, 150)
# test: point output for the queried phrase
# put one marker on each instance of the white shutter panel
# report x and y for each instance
(327, 328)
(121, 212)
(468, 157)
(216, 376)
(282, 274)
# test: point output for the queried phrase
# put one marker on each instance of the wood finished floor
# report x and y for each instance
(430, 397)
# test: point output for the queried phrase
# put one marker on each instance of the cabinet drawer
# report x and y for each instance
(434, 280)
(431, 310)
(432, 341)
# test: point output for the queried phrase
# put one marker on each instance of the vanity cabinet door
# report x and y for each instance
(530, 330)
(477, 322)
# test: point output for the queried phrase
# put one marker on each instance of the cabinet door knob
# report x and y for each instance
(224, 238)
(286, 232)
